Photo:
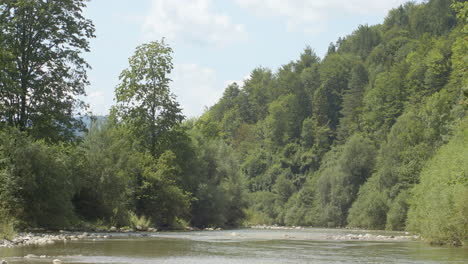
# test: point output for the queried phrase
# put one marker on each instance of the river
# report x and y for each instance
(309, 245)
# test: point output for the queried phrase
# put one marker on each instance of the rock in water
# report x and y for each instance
(4, 262)
(57, 261)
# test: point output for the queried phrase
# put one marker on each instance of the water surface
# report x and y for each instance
(309, 245)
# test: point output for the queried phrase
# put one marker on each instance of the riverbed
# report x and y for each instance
(308, 245)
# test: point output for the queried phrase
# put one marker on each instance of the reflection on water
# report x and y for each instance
(238, 246)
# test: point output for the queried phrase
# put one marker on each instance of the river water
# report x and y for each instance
(310, 245)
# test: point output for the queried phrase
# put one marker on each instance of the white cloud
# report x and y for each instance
(190, 20)
(196, 88)
(96, 94)
(310, 15)
(239, 82)
(99, 102)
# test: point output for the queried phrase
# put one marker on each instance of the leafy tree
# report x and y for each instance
(352, 105)
(362, 41)
(159, 197)
(384, 101)
(438, 208)
(107, 168)
(435, 17)
(43, 73)
(307, 59)
(37, 184)
(399, 17)
(144, 100)
(259, 88)
(219, 197)
(285, 120)
(334, 76)
(343, 171)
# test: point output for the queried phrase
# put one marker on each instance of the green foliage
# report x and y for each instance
(362, 41)
(398, 210)
(36, 181)
(352, 105)
(42, 69)
(7, 229)
(347, 140)
(106, 168)
(144, 101)
(159, 196)
(370, 210)
(284, 120)
(219, 198)
(258, 87)
(342, 172)
(334, 75)
(383, 103)
(139, 222)
(439, 204)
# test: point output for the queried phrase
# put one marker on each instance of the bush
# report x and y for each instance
(396, 217)
(253, 217)
(439, 206)
(36, 181)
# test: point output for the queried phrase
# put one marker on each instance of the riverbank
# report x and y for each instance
(42, 239)
(47, 238)
(370, 235)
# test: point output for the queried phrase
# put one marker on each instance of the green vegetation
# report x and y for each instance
(439, 205)
(373, 135)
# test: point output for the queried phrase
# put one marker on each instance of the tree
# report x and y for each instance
(144, 100)
(439, 205)
(109, 166)
(259, 90)
(160, 197)
(42, 72)
(285, 119)
(36, 181)
(352, 102)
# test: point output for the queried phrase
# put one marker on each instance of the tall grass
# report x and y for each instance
(7, 230)
(140, 223)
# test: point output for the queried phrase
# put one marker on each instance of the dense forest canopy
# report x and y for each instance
(373, 135)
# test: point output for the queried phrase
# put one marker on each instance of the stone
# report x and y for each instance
(57, 261)
(4, 262)
(113, 229)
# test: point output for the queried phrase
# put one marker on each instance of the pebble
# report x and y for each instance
(57, 261)
(30, 239)
(370, 237)
(4, 262)
(276, 227)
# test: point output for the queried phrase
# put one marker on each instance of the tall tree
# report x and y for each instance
(42, 72)
(352, 102)
(144, 100)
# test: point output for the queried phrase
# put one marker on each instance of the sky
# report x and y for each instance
(215, 42)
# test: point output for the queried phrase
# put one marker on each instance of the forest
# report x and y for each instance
(373, 135)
